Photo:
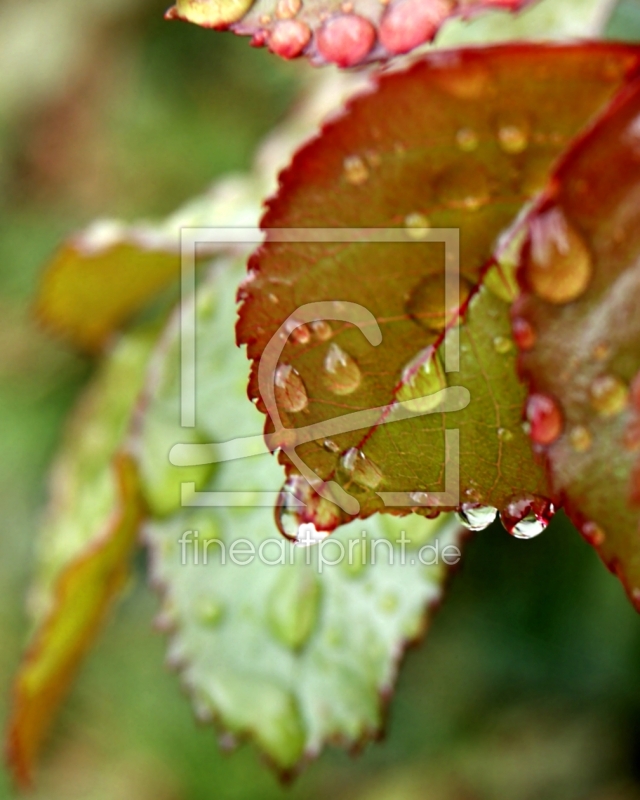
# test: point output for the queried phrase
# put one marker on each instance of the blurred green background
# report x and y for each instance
(528, 685)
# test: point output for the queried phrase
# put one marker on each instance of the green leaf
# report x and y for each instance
(84, 550)
(579, 329)
(287, 654)
(328, 32)
(103, 276)
(458, 141)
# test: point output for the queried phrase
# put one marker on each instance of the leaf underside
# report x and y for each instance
(581, 294)
(281, 653)
(461, 140)
(346, 34)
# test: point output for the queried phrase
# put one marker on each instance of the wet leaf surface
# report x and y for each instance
(284, 653)
(455, 142)
(581, 351)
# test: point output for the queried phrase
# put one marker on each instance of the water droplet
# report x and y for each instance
(505, 435)
(409, 23)
(513, 139)
(467, 140)
(322, 330)
(417, 226)
(287, 9)
(465, 188)
(609, 395)
(580, 439)
(593, 533)
(560, 266)
(422, 379)
(289, 38)
(427, 303)
(309, 523)
(330, 446)
(345, 40)
(341, 373)
(210, 611)
(361, 469)
(300, 334)
(545, 417)
(290, 391)
(528, 516)
(356, 171)
(524, 333)
(476, 517)
(501, 281)
(502, 345)
(293, 606)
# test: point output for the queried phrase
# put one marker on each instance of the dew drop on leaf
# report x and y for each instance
(345, 40)
(505, 435)
(527, 517)
(356, 171)
(360, 469)
(427, 302)
(300, 334)
(545, 418)
(341, 373)
(476, 517)
(330, 446)
(609, 395)
(422, 379)
(290, 391)
(289, 38)
(467, 140)
(305, 524)
(502, 345)
(593, 533)
(464, 187)
(560, 266)
(513, 139)
(524, 333)
(210, 611)
(322, 330)
(580, 439)
(417, 225)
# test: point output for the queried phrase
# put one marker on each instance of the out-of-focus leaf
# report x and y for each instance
(105, 274)
(331, 33)
(87, 540)
(280, 652)
(579, 328)
(461, 140)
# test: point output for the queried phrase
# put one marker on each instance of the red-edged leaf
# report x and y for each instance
(346, 34)
(578, 323)
(461, 140)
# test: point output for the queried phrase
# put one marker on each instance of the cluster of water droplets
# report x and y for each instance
(524, 517)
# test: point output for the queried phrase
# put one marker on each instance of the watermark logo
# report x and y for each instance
(450, 399)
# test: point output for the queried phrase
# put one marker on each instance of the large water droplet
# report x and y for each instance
(476, 517)
(609, 395)
(361, 469)
(560, 266)
(290, 391)
(341, 373)
(309, 523)
(346, 40)
(545, 418)
(422, 379)
(527, 516)
(428, 306)
(289, 38)
(293, 605)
